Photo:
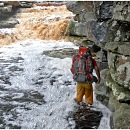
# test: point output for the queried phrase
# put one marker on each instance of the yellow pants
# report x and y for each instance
(84, 89)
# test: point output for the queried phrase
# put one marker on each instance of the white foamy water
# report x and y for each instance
(58, 96)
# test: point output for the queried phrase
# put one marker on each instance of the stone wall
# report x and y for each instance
(107, 25)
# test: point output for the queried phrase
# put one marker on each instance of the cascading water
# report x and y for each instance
(39, 22)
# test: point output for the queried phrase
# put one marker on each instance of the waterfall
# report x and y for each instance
(39, 22)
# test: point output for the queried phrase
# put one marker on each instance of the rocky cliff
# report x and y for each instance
(107, 25)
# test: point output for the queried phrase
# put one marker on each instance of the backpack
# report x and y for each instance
(82, 66)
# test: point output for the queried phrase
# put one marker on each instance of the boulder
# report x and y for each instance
(100, 30)
(80, 29)
(2, 4)
(77, 7)
(85, 17)
(122, 48)
(121, 117)
(104, 10)
(102, 90)
(118, 31)
(120, 113)
(7, 8)
(121, 93)
(26, 4)
(119, 62)
(13, 3)
(121, 11)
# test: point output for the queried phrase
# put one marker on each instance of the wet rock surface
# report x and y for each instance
(86, 118)
(62, 53)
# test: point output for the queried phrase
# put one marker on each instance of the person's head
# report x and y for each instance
(87, 53)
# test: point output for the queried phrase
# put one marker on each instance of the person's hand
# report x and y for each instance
(98, 81)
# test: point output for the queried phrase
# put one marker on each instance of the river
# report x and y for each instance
(36, 90)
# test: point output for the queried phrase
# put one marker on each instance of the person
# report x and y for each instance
(86, 89)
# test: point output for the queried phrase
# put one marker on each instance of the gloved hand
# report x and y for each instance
(98, 81)
(95, 79)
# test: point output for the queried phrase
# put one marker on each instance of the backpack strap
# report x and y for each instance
(89, 65)
(73, 60)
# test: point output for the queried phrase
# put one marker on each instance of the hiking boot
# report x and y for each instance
(90, 105)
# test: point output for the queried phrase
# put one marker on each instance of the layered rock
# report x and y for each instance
(99, 21)
(119, 62)
(107, 24)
